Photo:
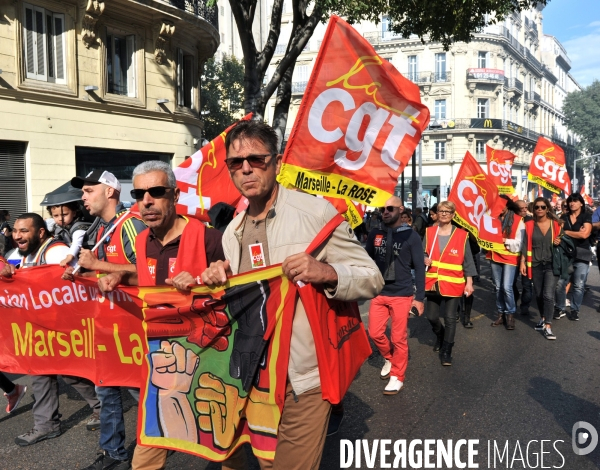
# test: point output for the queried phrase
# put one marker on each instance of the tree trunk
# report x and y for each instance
(282, 105)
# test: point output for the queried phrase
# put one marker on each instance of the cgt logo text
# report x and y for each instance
(463, 453)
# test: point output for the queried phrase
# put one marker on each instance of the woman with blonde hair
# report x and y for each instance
(449, 275)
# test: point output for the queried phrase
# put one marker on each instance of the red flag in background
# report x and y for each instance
(588, 199)
(358, 125)
(204, 179)
(548, 168)
(473, 193)
(499, 164)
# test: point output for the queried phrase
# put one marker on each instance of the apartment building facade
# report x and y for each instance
(95, 84)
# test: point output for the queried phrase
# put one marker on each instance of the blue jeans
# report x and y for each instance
(580, 272)
(504, 275)
(112, 422)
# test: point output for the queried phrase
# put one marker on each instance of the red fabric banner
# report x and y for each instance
(358, 125)
(473, 192)
(548, 168)
(499, 164)
(60, 327)
(204, 179)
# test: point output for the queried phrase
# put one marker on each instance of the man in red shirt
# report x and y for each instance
(174, 251)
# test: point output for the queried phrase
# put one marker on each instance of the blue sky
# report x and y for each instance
(576, 24)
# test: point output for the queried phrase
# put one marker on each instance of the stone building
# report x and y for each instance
(94, 84)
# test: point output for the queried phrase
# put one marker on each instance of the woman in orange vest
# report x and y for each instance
(449, 275)
(504, 264)
(541, 235)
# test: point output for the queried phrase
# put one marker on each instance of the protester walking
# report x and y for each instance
(281, 224)
(578, 226)
(396, 251)
(542, 234)
(450, 275)
(504, 265)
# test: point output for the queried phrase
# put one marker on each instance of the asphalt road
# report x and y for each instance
(504, 387)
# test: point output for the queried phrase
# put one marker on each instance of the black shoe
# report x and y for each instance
(446, 353)
(105, 462)
(335, 421)
(574, 315)
(558, 314)
(468, 323)
(525, 312)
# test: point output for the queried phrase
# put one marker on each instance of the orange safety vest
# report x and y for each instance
(507, 257)
(114, 249)
(446, 268)
(554, 232)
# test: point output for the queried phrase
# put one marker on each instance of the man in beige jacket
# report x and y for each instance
(277, 227)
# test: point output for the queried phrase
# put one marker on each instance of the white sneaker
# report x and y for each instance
(393, 386)
(568, 303)
(385, 370)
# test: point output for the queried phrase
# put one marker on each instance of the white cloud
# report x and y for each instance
(594, 24)
(585, 58)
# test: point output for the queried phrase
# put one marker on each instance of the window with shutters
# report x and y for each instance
(186, 83)
(44, 45)
(13, 180)
(120, 63)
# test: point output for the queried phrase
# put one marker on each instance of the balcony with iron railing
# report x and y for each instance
(419, 78)
(465, 124)
(513, 41)
(199, 8)
(513, 84)
(440, 77)
(532, 97)
(480, 75)
(532, 60)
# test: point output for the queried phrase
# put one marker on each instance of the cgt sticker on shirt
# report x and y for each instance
(257, 256)
(172, 267)
(152, 268)
(378, 240)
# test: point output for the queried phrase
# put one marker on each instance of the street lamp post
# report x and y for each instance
(575, 167)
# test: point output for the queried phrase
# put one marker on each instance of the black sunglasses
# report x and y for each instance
(156, 191)
(389, 208)
(540, 207)
(255, 161)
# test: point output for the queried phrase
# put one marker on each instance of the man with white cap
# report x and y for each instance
(101, 194)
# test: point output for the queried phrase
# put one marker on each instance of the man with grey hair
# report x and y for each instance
(101, 195)
(174, 251)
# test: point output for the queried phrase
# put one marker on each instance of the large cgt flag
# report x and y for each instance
(204, 179)
(548, 168)
(473, 193)
(358, 125)
(499, 164)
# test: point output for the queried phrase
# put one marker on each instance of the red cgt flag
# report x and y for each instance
(588, 199)
(204, 179)
(548, 168)
(473, 193)
(499, 164)
(358, 125)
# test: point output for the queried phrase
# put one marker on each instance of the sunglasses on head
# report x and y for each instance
(255, 161)
(540, 207)
(156, 191)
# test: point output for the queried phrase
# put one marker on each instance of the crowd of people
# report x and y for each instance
(412, 263)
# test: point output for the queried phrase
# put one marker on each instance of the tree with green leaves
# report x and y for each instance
(443, 21)
(582, 116)
(222, 94)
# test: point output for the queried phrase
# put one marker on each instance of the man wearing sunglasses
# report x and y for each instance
(174, 251)
(101, 197)
(396, 250)
(278, 227)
